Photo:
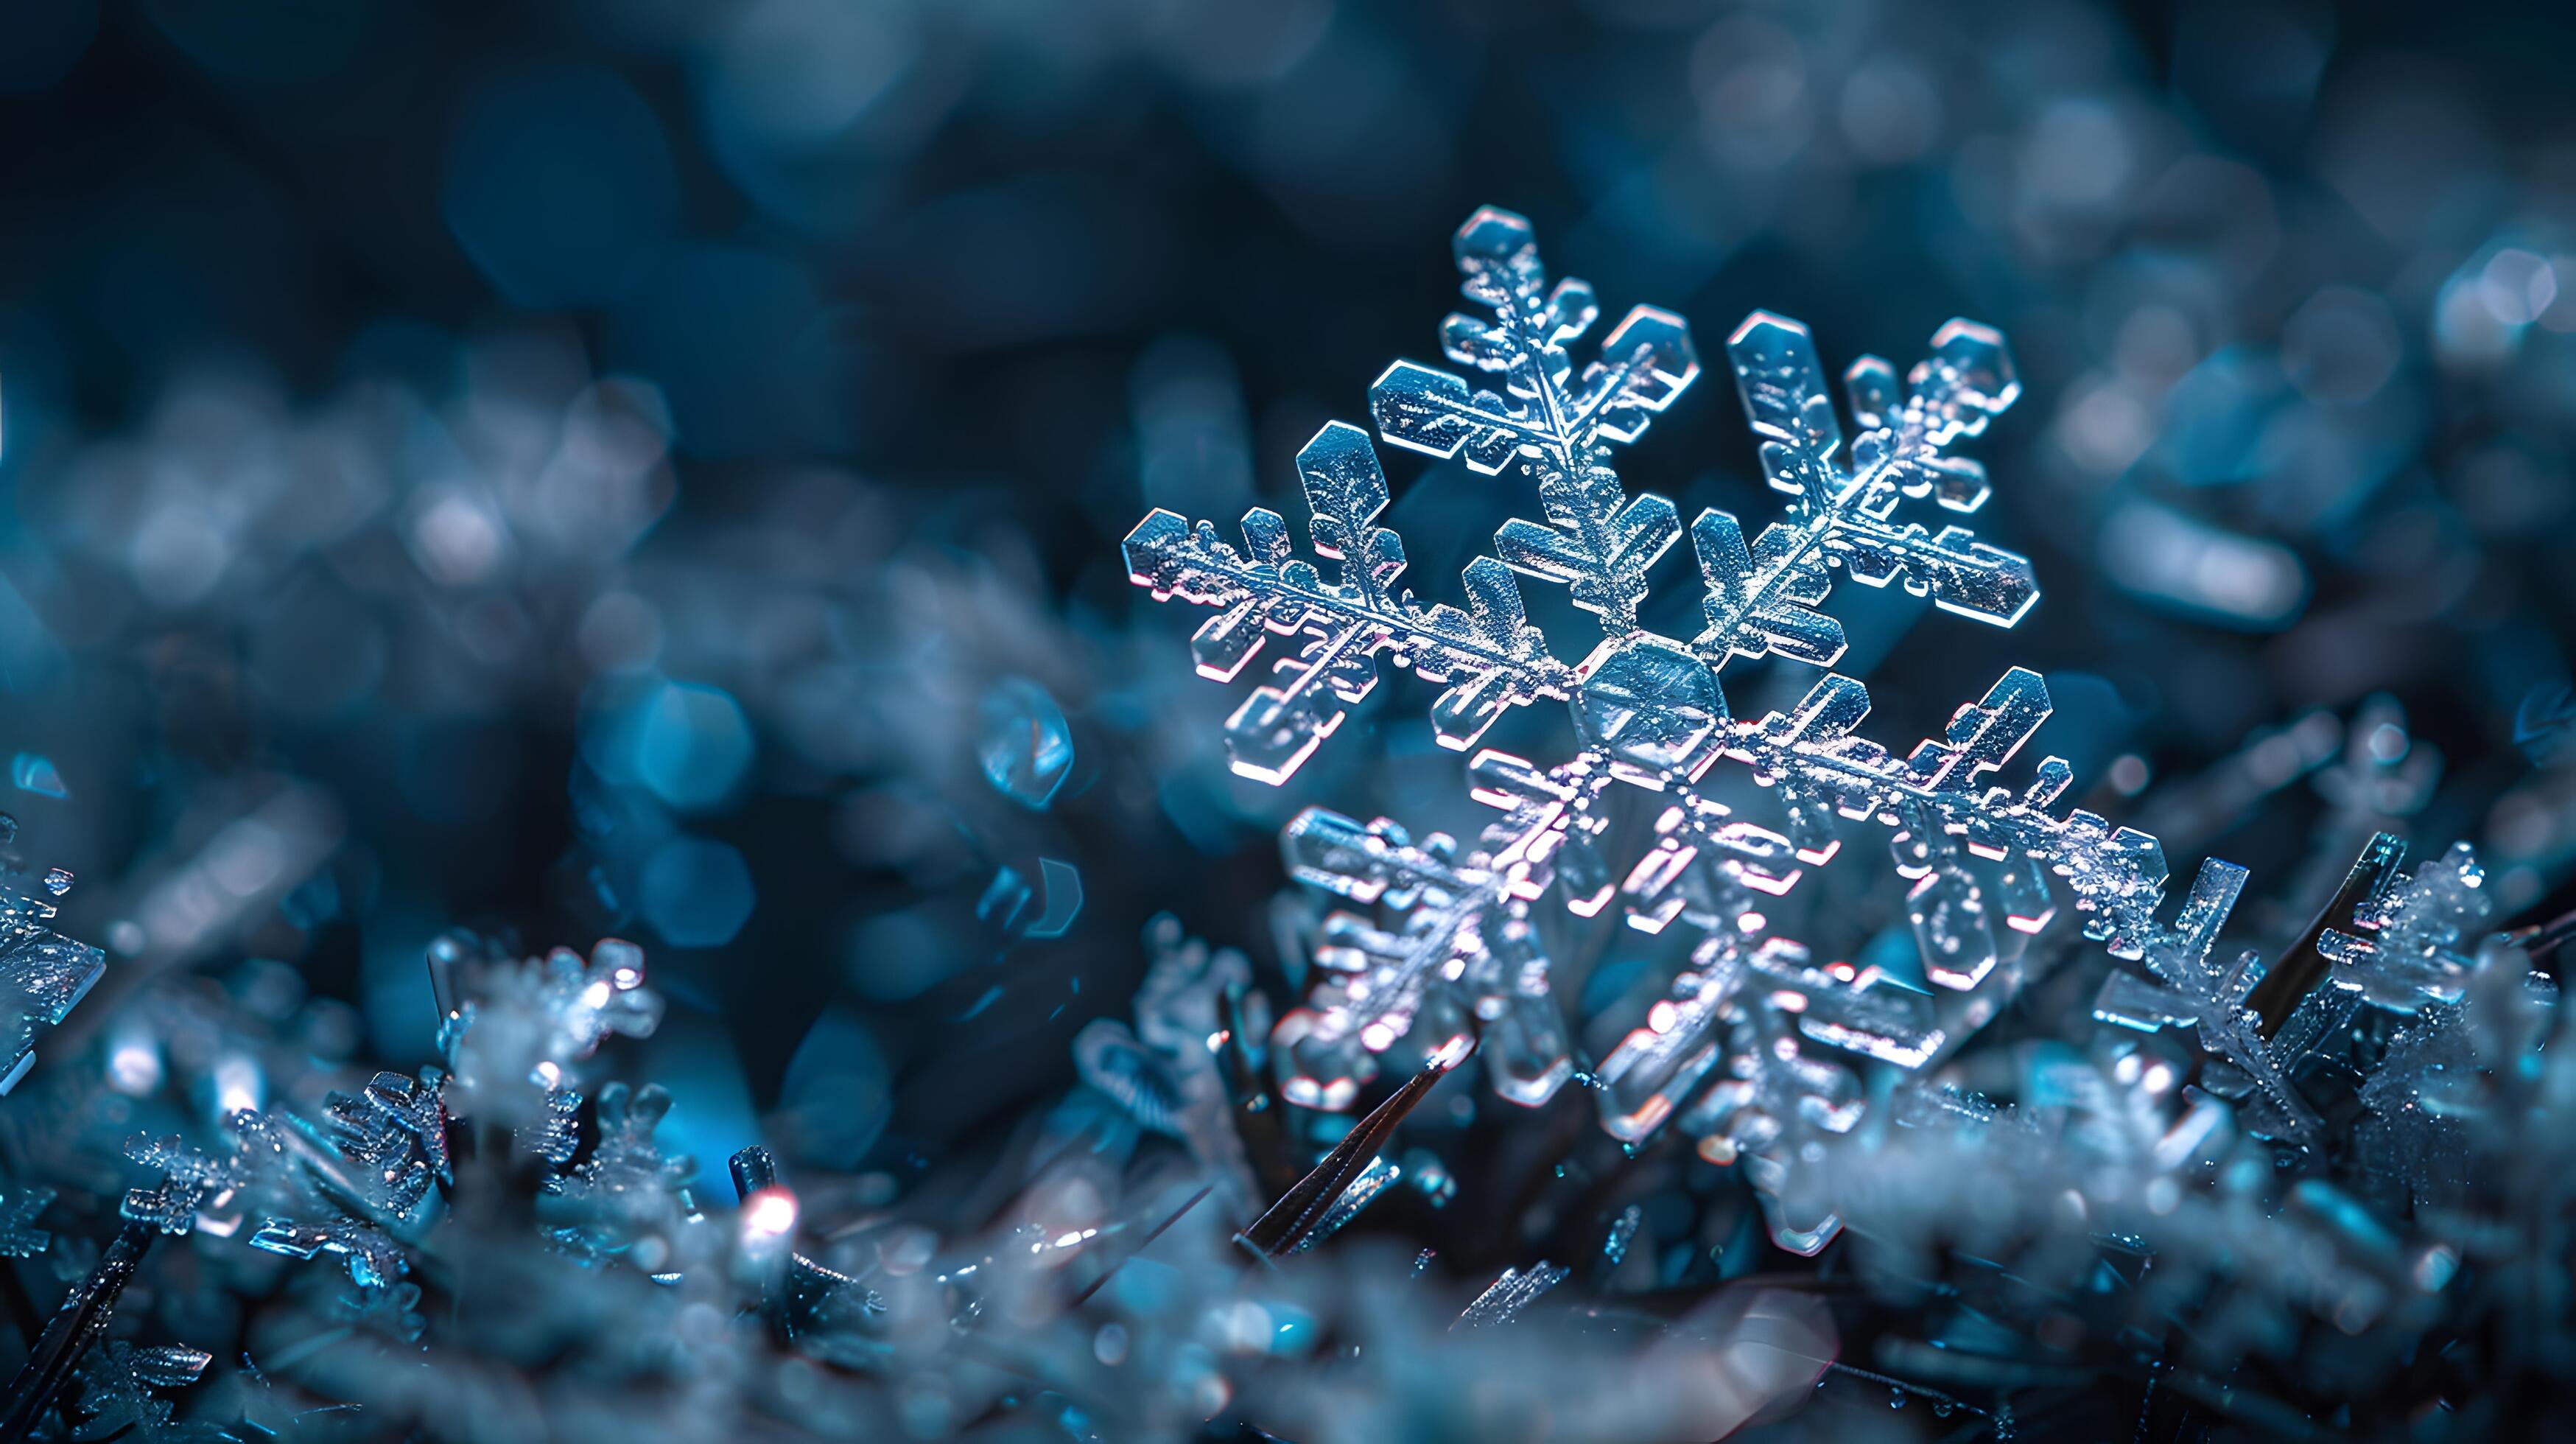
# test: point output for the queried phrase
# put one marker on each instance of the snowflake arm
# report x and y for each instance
(1490, 655)
(1554, 423)
(1764, 598)
(2194, 988)
(1770, 1104)
(372, 1258)
(392, 1137)
(1934, 798)
(1462, 950)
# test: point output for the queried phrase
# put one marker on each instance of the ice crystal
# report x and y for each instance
(1509, 1296)
(2414, 938)
(530, 1022)
(1446, 952)
(1770, 1110)
(2412, 945)
(2197, 987)
(394, 1135)
(1552, 422)
(120, 1391)
(19, 1210)
(372, 1258)
(1464, 951)
(557, 1136)
(628, 1195)
(191, 1179)
(43, 975)
(1166, 1072)
(361, 1184)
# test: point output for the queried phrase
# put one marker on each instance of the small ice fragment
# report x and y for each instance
(34, 772)
(1511, 1294)
(1026, 745)
(1063, 884)
(58, 881)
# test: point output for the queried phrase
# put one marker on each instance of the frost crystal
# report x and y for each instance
(372, 1258)
(2412, 947)
(1165, 1072)
(628, 1195)
(1447, 953)
(190, 1180)
(1509, 1296)
(43, 975)
(2195, 987)
(531, 1021)
(394, 1133)
(2414, 939)
(19, 1209)
(118, 1384)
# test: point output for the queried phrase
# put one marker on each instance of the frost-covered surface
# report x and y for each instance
(2019, 1142)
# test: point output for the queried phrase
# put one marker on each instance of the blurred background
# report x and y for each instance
(656, 467)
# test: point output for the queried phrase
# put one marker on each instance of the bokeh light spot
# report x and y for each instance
(686, 743)
(697, 892)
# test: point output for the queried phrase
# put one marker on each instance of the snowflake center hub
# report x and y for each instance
(1650, 704)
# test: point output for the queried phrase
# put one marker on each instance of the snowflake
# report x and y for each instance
(191, 1180)
(628, 1196)
(1167, 1073)
(394, 1134)
(532, 1021)
(1447, 951)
